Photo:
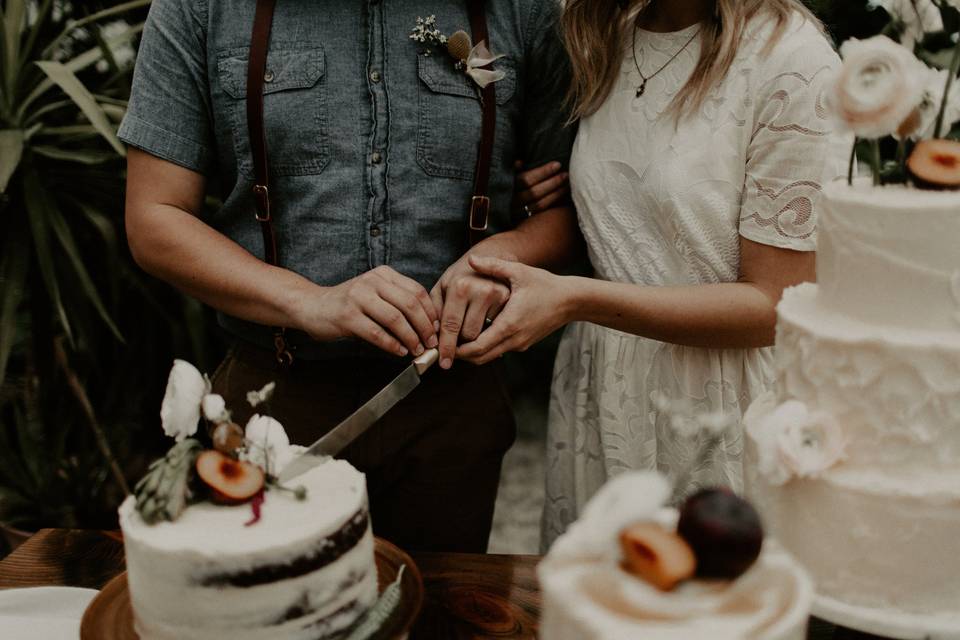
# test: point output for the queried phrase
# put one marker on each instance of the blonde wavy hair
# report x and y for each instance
(596, 32)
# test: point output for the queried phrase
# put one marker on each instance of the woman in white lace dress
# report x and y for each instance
(697, 175)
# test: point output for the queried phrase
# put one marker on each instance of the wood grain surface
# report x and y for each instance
(466, 596)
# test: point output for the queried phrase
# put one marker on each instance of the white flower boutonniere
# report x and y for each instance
(473, 60)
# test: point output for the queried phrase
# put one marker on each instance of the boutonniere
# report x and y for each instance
(469, 58)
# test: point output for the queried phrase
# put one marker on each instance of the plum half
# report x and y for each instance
(724, 532)
(935, 164)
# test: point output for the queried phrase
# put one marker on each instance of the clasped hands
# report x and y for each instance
(483, 306)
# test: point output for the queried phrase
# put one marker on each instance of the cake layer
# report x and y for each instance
(890, 256)
(869, 538)
(894, 393)
(305, 570)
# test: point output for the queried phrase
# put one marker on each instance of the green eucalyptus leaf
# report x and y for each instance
(13, 277)
(65, 236)
(76, 64)
(39, 206)
(11, 150)
(83, 156)
(71, 85)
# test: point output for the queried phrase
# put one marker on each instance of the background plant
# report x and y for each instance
(85, 337)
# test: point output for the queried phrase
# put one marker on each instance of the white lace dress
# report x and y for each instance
(666, 204)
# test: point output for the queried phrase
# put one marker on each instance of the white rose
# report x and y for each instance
(267, 444)
(215, 408)
(878, 87)
(810, 442)
(180, 410)
(917, 17)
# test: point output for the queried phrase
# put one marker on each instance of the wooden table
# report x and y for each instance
(467, 596)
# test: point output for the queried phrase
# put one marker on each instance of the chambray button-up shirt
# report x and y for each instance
(372, 137)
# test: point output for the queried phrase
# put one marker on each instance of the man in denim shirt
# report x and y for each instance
(372, 141)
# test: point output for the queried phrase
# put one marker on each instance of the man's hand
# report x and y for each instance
(465, 300)
(382, 307)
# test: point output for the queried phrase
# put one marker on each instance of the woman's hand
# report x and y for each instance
(541, 188)
(540, 303)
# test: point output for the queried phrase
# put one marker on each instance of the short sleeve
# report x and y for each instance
(169, 111)
(546, 136)
(793, 151)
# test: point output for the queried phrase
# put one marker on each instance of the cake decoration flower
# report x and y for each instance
(915, 18)
(215, 408)
(267, 444)
(793, 441)
(262, 395)
(180, 410)
(878, 87)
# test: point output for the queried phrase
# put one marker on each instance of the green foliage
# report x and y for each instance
(73, 307)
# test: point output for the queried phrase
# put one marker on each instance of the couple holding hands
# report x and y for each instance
(695, 166)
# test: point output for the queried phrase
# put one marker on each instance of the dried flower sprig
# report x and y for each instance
(426, 32)
(163, 493)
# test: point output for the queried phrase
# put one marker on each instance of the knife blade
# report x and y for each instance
(337, 439)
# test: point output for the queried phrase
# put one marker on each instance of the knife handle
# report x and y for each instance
(427, 360)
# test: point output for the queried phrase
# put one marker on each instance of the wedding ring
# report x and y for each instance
(487, 322)
(526, 209)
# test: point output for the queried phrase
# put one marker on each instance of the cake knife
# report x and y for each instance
(337, 439)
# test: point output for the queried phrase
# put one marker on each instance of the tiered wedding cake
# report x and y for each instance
(305, 570)
(855, 461)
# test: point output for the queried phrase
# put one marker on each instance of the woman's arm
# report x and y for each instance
(728, 315)
(168, 240)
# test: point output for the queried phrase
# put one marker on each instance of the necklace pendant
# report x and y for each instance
(642, 89)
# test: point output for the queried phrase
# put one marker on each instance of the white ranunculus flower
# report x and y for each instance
(180, 410)
(936, 82)
(878, 87)
(793, 441)
(917, 17)
(267, 444)
(263, 395)
(215, 408)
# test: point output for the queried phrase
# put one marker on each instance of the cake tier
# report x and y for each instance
(870, 539)
(587, 596)
(305, 570)
(895, 393)
(889, 255)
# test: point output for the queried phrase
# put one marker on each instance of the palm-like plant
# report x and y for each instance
(82, 334)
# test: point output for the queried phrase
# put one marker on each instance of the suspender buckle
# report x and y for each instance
(479, 213)
(261, 196)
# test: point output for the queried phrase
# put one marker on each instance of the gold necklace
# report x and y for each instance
(643, 85)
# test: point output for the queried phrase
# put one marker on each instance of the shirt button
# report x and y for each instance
(268, 76)
(375, 231)
(375, 76)
(376, 157)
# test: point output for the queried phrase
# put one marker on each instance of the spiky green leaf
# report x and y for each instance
(11, 150)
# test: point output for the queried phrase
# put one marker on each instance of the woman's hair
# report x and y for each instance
(596, 33)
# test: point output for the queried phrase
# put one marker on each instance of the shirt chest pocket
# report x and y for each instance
(449, 117)
(294, 107)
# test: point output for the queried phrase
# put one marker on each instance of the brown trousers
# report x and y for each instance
(432, 463)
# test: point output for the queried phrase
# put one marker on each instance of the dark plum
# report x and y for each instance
(724, 532)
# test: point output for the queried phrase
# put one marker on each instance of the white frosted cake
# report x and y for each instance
(854, 462)
(305, 570)
(589, 595)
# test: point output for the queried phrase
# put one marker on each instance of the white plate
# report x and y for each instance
(43, 613)
(886, 623)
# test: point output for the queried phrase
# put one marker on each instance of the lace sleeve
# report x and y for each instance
(793, 150)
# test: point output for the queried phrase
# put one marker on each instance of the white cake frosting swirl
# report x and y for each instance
(305, 570)
(587, 595)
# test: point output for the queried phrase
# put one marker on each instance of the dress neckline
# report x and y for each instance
(670, 35)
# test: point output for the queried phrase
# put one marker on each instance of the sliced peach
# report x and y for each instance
(230, 481)
(660, 557)
(935, 164)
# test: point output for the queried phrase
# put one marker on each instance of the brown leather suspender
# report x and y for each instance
(479, 217)
(256, 68)
(479, 211)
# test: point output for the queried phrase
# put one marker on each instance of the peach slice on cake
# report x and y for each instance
(660, 557)
(231, 481)
(935, 164)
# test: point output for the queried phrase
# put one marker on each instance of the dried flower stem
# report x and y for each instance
(853, 162)
(81, 396)
(951, 74)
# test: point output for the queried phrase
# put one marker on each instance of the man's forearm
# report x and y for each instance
(181, 249)
(550, 240)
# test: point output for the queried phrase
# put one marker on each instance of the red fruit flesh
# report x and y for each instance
(935, 164)
(230, 481)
